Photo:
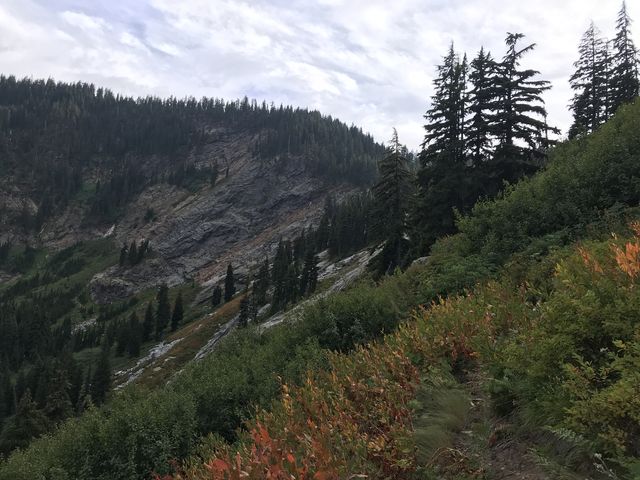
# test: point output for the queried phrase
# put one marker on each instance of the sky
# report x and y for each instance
(366, 62)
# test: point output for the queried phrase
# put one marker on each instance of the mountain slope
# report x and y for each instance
(105, 199)
(553, 339)
(206, 182)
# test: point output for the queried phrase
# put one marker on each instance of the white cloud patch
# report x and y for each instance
(367, 62)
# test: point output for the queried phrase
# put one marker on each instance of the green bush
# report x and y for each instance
(576, 363)
(140, 432)
(583, 179)
(137, 434)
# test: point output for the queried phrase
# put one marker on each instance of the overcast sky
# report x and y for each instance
(367, 62)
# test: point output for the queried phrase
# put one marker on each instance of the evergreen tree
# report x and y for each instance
(101, 380)
(76, 379)
(261, 284)
(58, 405)
(442, 177)
(229, 284)
(292, 283)
(148, 323)
(243, 316)
(309, 277)
(481, 105)
(214, 174)
(391, 195)
(7, 396)
(625, 85)
(281, 275)
(521, 126)
(123, 335)
(142, 250)
(444, 139)
(124, 255)
(313, 274)
(135, 336)
(133, 254)
(216, 297)
(589, 81)
(322, 234)
(163, 312)
(299, 246)
(27, 423)
(178, 313)
(84, 396)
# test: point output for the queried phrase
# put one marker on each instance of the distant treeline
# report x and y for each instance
(51, 131)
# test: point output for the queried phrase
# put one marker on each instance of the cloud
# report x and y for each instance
(370, 62)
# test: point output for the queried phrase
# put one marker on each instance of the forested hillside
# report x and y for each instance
(202, 289)
(110, 206)
(57, 139)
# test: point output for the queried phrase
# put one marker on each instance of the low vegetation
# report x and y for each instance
(553, 333)
(564, 364)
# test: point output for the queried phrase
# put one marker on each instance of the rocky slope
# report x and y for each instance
(194, 235)
(198, 339)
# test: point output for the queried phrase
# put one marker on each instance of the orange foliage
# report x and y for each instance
(589, 261)
(350, 422)
(354, 420)
(628, 259)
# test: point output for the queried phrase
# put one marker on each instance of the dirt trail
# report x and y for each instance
(487, 444)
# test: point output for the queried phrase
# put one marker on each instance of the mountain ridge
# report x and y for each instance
(212, 177)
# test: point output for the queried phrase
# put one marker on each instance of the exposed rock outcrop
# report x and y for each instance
(195, 234)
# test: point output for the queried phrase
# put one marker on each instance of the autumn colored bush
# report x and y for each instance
(355, 419)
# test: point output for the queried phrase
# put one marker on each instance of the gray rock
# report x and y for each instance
(196, 234)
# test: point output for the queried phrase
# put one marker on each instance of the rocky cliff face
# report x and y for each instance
(194, 235)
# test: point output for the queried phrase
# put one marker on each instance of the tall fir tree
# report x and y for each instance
(625, 86)
(216, 296)
(292, 283)
(322, 234)
(391, 199)
(84, 395)
(148, 324)
(101, 380)
(521, 129)
(444, 139)
(135, 335)
(243, 315)
(261, 284)
(309, 276)
(481, 106)
(178, 313)
(590, 83)
(133, 253)
(229, 284)
(442, 175)
(58, 405)
(122, 338)
(7, 395)
(521, 126)
(163, 312)
(124, 255)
